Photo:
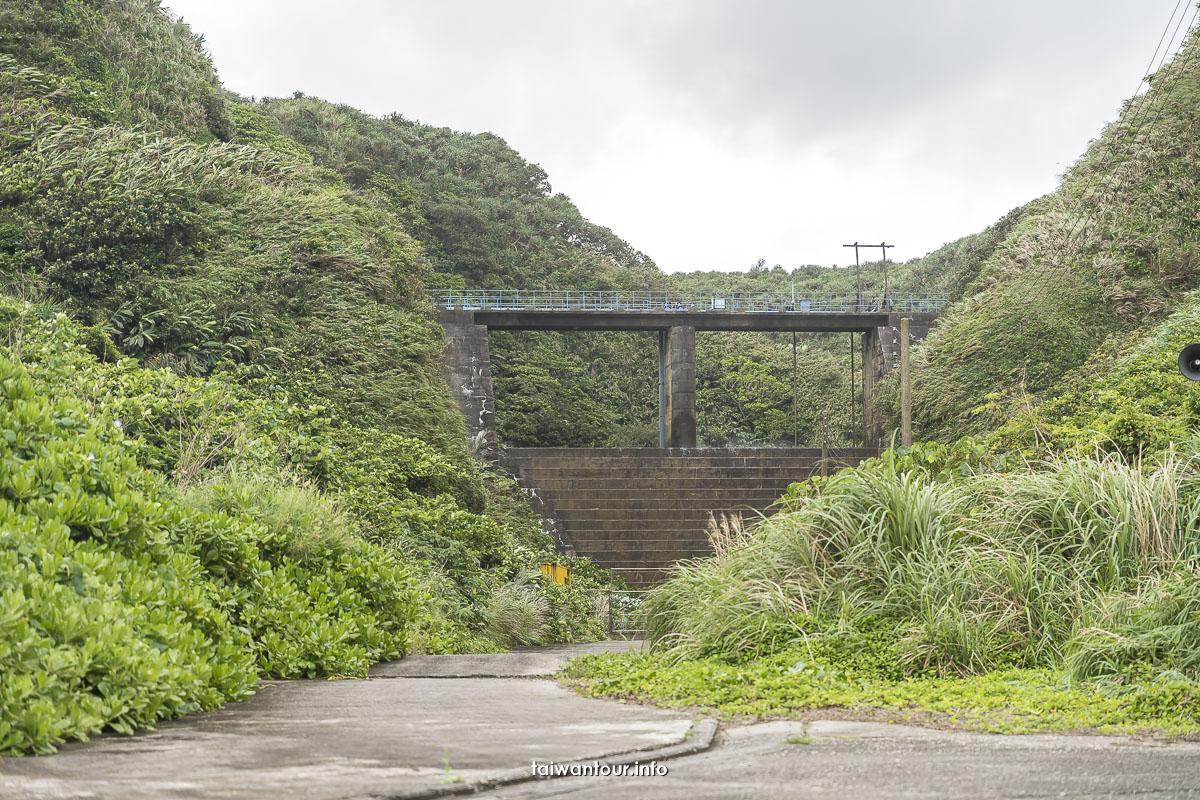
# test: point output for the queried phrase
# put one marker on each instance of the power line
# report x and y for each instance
(1132, 119)
(1164, 94)
(1136, 123)
(1170, 88)
(1044, 275)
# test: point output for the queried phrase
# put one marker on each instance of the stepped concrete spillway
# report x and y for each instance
(639, 510)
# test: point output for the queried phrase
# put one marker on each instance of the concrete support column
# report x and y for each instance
(872, 356)
(680, 379)
(467, 367)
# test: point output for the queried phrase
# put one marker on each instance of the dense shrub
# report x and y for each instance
(109, 616)
(1087, 563)
(1129, 398)
(166, 540)
(317, 599)
(125, 603)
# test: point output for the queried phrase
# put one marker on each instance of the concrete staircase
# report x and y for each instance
(637, 511)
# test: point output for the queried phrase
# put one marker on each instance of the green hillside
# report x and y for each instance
(1036, 568)
(229, 450)
(1080, 287)
(488, 218)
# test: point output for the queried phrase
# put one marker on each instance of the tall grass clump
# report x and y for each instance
(1088, 563)
(516, 614)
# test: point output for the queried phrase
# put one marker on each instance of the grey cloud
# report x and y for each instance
(813, 68)
(710, 132)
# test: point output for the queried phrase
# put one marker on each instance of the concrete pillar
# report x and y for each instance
(662, 389)
(681, 386)
(467, 367)
(871, 358)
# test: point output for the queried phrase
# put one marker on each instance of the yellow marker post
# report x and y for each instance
(557, 573)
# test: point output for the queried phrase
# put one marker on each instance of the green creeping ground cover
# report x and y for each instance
(946, 585)
(793, 684)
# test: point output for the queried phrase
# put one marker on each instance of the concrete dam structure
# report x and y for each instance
(638, 510)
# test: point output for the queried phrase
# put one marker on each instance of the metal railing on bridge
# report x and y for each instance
(749, 302)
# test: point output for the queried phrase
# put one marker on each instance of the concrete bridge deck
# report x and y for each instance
(466, 362)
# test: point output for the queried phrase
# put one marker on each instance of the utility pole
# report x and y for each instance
(883, 248)
(905, 399)
(825, 443)
(857, 276)
(662, 394)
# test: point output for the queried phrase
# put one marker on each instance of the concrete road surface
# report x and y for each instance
(427, 730)
(337, 739)
(525, 662)
(875, 760)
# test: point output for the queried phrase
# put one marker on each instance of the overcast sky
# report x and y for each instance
(711, 133)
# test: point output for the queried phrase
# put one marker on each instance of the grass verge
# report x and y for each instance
(790, 684)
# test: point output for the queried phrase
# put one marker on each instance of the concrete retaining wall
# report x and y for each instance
(467, 368)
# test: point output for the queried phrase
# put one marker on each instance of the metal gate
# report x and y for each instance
(627, 613)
